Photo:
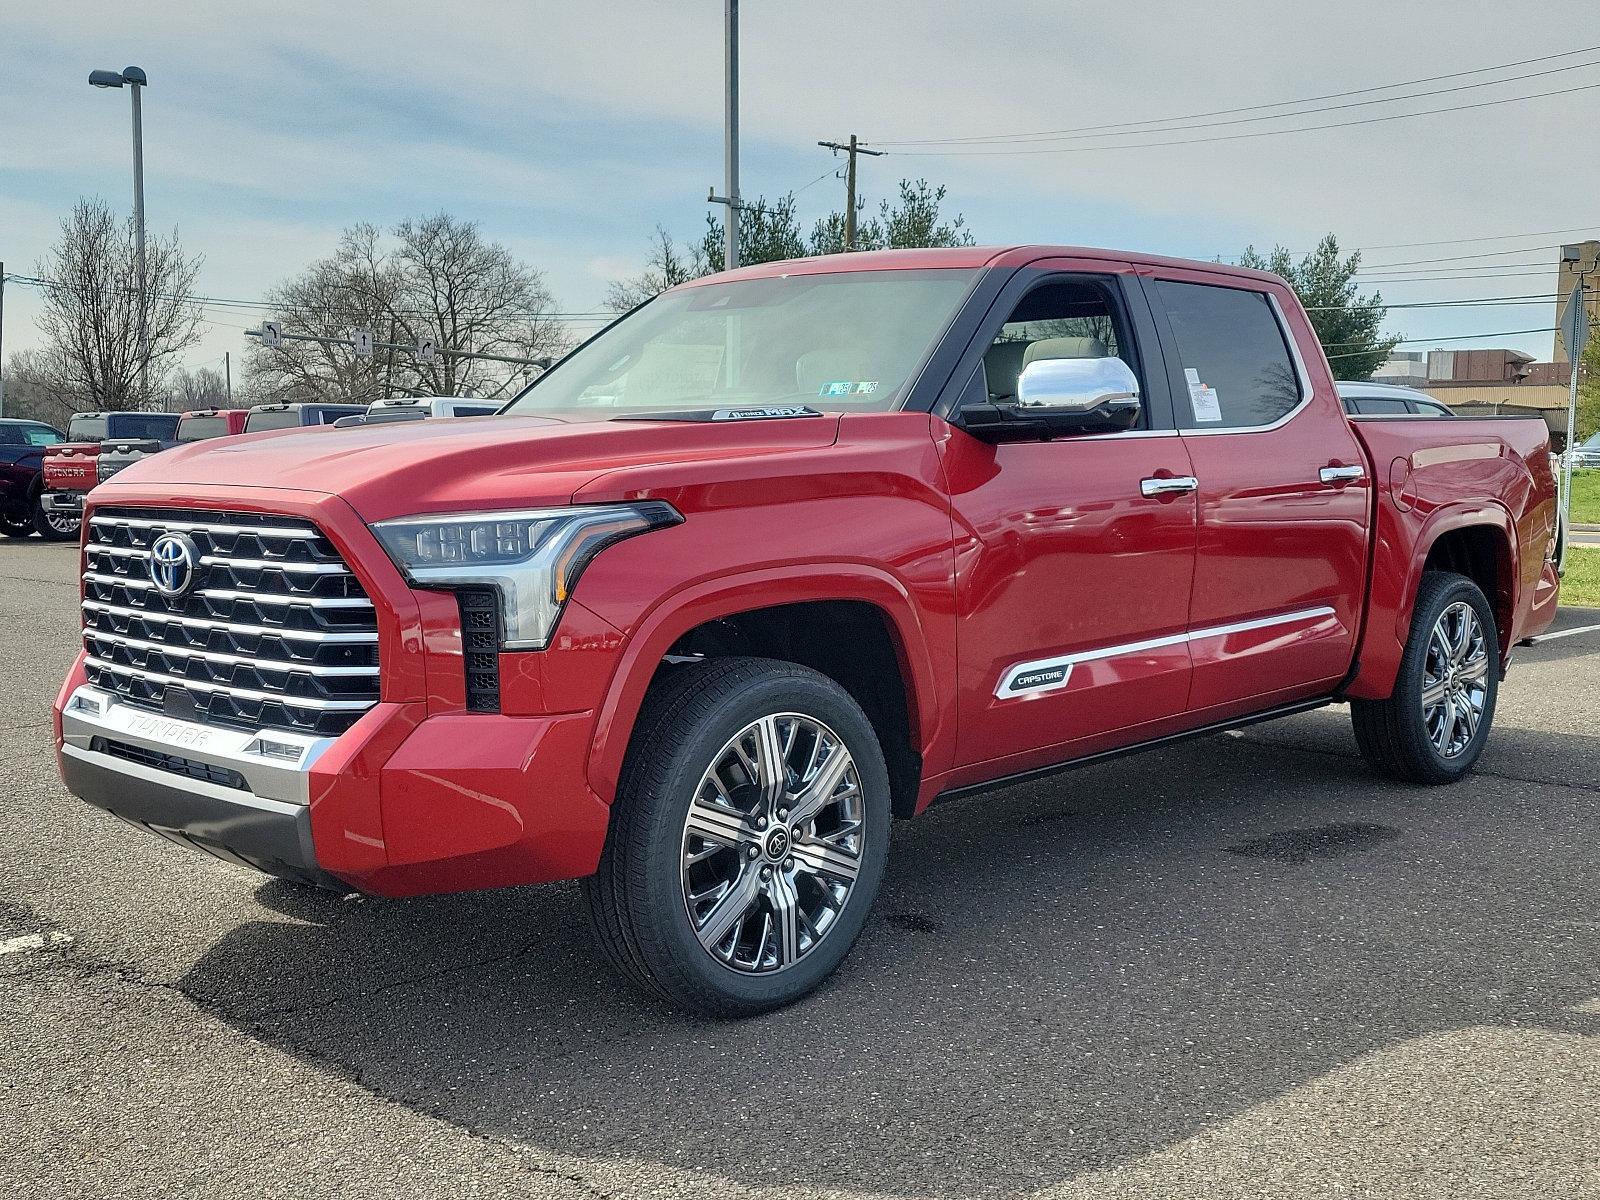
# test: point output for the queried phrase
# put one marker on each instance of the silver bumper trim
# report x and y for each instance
(274, 764)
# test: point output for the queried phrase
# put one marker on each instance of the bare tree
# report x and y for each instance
(667, 266)
(36, 390)
(353, 288)
(204, 387)
(91, 315)
(470, 294)
(441, 281)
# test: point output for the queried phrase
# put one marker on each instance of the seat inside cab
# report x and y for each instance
(1063, 319)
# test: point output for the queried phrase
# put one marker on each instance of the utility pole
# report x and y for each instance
(730, 143)
(227, 373)
(2, 339)
(851, 148)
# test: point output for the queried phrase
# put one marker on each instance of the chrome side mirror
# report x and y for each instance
(1076, 386)
(1059, 397)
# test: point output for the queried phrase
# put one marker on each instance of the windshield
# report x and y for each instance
(198, 429)
(87, 429)
(845, 342)
(286, 418)
(1593, 443)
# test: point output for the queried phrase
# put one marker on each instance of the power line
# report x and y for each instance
(1494, 237)
(1304, 112)
(1258, 133)
(1224, 112)
(1464, 337)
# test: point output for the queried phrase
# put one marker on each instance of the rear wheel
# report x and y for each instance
(748, 838)
(17, 527)
(1434, 725)
(55, 526)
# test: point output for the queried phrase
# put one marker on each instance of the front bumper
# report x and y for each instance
(239, 796)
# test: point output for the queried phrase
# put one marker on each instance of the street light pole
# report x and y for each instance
(730, 140)
(135, 78)
(138, 236)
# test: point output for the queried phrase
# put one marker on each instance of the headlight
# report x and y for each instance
(531, 558)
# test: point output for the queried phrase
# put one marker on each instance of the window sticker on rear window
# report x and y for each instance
(1202, 399)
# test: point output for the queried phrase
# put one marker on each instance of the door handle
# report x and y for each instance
(1170, 486)
(1341, 474)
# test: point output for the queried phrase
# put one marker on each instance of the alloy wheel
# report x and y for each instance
(772, 843)
(1455, 679)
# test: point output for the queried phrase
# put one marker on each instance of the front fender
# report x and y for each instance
(926, 676)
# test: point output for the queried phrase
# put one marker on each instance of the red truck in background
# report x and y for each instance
(783, 554)
(72, 468)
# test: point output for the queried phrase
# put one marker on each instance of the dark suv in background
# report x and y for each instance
(22, 449)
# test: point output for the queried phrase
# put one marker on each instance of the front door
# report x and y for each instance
(1072, 583)
(1285, 498)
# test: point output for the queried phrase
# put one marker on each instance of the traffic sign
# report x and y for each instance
(426, 350)
(361, 339)
(272, 333)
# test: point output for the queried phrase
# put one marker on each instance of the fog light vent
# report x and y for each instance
(480, 647)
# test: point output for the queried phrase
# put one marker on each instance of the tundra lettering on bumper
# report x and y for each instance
(243, 797)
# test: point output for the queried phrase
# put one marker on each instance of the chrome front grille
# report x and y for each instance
(275, 632)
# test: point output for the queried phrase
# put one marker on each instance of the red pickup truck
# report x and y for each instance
(72, 468)
(785, 553)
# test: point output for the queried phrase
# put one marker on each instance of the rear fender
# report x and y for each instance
(1405, 540)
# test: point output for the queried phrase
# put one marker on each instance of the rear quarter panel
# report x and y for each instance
(1435, 476)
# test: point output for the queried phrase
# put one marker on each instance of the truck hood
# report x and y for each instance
(464, 463)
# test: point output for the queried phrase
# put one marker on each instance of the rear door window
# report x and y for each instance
(198, 429)
(280, 419)
(1235, 359)
(87, 429)
(40, 435)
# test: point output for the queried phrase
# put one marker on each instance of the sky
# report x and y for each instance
(569, 131)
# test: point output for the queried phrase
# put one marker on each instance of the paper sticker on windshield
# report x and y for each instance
(865, 387)
(1202, 399)
(839, 387)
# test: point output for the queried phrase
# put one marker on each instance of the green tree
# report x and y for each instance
(770, 231)
(1589, 390)
(1346, 322)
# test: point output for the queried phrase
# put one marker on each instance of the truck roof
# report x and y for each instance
(970, 257)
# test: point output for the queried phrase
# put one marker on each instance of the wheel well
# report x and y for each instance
(1482, 554)
(850, 641)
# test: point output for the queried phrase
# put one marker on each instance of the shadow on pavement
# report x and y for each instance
(1061, 977)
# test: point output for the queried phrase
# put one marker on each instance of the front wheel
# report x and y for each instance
(1434, 725)
(748, 837)
(17, 527)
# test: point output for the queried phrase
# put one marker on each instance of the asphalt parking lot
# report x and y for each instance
(1239, 967)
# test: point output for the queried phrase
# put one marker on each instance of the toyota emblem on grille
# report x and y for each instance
(172, 563)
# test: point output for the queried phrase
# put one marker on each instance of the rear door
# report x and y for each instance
(1072, 577)
(1284, 495)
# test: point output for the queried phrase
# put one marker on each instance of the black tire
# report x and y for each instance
(1393, 734)
(49, 532)
(17, 527)
(636, 900)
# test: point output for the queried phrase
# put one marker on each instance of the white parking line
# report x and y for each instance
(34, 941)
(1550, 637)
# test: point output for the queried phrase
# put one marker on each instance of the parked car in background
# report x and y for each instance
(443, 406)
(22, 450)
(788, 552)
(197, 425)
(1365, 399)
(1587, 453)
(293, 416)
(72, 467)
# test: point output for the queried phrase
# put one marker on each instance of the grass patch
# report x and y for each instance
(1586, 497)
(1581, 584)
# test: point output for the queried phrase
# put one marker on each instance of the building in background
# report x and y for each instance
(1500, 382)
(1408, 368)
